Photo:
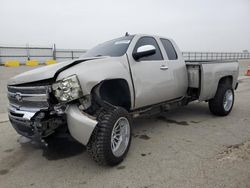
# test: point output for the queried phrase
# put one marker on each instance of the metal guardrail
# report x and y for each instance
(24, 53)
(69, 54)
(206, 56)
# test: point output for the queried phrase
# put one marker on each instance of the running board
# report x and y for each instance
(167, 105)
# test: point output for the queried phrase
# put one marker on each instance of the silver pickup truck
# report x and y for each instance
(94, 98)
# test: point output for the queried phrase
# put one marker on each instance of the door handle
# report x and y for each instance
(164, 67)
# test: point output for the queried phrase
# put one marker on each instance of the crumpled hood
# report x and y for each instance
(45, 72)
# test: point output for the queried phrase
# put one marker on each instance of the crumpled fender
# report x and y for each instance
(80, 124)
(95, 71)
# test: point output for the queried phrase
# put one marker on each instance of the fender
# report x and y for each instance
(92, 73)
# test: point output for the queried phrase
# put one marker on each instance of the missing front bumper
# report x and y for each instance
(35, 125)
(79, 124)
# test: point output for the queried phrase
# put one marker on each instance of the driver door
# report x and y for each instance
(153, 81)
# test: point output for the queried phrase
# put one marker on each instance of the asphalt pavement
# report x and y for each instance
(186, 147)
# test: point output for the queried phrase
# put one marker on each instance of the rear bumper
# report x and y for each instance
(80, 124)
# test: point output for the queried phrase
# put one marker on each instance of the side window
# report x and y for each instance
(169, 48)
(149, 41)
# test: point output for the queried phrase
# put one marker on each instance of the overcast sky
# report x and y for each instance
(196, 25)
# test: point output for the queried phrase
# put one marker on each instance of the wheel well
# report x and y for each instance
(116, 92)
(226, 80)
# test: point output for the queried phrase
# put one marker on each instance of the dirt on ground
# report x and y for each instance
(236, 152)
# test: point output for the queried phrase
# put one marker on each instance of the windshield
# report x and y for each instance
(112, 48)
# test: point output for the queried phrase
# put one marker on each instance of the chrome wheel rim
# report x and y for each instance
(228, 100)
(120, 136)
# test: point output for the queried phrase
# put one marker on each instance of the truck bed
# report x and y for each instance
(204, 76)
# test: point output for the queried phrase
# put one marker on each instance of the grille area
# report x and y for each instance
(28, 98)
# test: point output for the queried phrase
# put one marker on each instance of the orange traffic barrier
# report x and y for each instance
(248, 71)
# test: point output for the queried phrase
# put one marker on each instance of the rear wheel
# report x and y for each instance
(111, 138)
(222, 103)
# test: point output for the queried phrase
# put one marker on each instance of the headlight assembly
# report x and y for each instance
(67, 89)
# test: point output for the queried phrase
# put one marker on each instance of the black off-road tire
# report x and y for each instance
(216, 106)
(99, 146)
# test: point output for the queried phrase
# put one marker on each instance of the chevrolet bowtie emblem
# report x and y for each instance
(18, 97)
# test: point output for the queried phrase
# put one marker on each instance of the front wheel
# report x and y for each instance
(222, 103)
(111, 138)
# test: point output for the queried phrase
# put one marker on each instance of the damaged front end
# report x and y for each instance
(30, 110)
(37, 111)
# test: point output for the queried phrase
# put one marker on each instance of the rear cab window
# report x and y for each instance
(169, 49)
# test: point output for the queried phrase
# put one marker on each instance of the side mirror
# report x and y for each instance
(143, 51)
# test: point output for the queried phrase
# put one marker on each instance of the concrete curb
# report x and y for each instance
(29, 63)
